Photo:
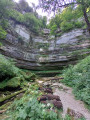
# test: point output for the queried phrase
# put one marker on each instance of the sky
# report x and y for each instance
(39, 11)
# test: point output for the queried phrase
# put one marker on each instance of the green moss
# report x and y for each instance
(10, 96)
(11, 76)
(28, 76)
(3, 107)
(13, 83)
(47, 71)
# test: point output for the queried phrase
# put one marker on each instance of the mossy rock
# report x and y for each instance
(12, 83)
(28, 76)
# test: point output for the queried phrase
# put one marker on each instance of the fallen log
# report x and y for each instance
(2, 111)
(8, 97)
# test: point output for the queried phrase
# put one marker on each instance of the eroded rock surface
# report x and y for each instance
(42, 53)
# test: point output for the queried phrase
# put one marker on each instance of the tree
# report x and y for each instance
(54, 5)
(44, 21)
(31, 22)
(5, 6)
(24, 6)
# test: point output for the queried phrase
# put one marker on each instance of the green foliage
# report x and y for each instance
(79, 77)
(23, 6)
(78, 24)
(7, 68)
(32, 22)
(22, 13)
(29, 108)
(5, 7)
(0, 44)
(54, 24)
(66, 26)
(28, 75)
(53, 29)
(44, 21)
(29, 20)
(33, 110)
(17, 16)
(12, 83)
(67, 14)
(67, 20)
(52, 5)
(2, 33)
(11, 76)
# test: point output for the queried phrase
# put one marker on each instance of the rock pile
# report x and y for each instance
(49, 98)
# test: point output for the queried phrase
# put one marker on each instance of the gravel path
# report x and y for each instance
(69, 101)
(67, 98)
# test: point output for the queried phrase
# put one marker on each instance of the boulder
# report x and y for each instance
(74, 113)
(49, 97)
(46, 90)
(57, 104)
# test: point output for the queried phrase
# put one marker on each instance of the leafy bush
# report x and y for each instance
(32, 110)
(17, 16)
(78, 24)
(67, 20)
(53, 29)
(66, 26)
(78, 77)
(32, 22)
(29, 20)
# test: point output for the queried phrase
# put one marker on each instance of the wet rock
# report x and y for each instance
(20, 95)
(74, 114)
(42, 98)
(46, 90)
(49, 97)
(52, 97)
(57, 104)
(44, 102)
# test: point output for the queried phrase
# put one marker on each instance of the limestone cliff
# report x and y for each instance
(44, 53)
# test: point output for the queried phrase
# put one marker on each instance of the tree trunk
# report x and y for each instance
(86, 19)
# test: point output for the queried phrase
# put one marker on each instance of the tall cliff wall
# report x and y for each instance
(42, 53)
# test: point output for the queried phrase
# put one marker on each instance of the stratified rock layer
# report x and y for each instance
(42, 53)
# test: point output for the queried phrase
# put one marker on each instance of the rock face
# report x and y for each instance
(39, 53)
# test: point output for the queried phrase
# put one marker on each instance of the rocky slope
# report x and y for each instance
(44, 52)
